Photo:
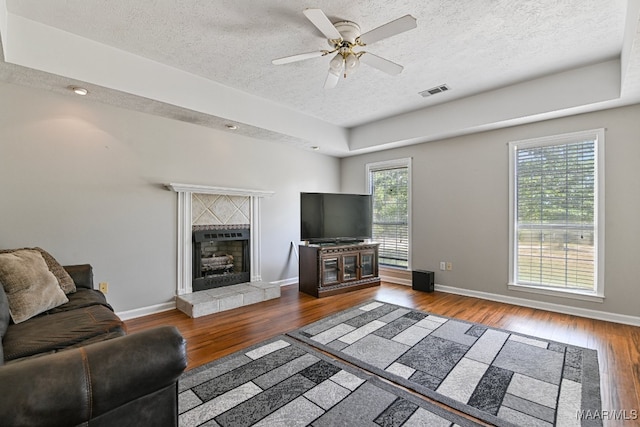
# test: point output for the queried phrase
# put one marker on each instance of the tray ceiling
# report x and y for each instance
(227, 46)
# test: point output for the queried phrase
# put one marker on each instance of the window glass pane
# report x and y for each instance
(390, 190)
(555, 215)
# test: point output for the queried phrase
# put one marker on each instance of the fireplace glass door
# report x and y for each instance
(220, 258)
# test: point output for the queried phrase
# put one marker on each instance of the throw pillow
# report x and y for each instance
(30, 287)
(64, 280)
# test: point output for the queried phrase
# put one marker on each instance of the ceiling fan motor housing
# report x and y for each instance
(349, 31)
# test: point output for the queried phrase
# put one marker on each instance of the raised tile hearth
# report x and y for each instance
(202, 303)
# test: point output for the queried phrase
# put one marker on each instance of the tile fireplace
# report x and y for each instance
(219, 249)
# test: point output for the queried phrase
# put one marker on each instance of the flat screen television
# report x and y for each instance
(335, 217)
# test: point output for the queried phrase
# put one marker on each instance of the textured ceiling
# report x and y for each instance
(470, 45)
(209, 63)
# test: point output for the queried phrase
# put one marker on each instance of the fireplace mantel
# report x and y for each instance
(185, 191)
(205, 189)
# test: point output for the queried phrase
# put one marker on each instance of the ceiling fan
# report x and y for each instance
(344, 37)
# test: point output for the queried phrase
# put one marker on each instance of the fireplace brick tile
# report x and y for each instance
(231, 301)
(254, 296)
(211, 301)
(208, 307)
(228, 290)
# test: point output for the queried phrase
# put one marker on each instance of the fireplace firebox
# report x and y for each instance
(220, 257)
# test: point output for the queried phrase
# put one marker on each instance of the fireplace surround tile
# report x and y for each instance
(220, 209)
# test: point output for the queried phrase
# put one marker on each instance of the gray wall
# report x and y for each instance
(84, 181)
(460, 205)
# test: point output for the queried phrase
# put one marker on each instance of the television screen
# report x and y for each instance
(335, 216)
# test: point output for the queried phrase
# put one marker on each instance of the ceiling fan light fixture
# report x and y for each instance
(336, 63)
(351, 64)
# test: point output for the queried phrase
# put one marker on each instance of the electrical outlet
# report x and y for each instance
(443, 266)
(104, 287)
(449, 266)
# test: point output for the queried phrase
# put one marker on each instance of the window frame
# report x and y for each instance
(393, 164)
(597, 294)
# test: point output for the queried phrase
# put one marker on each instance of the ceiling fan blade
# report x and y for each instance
(298, 57)
(320, 20)
(381, 64)
(332, 80)
(389, 29)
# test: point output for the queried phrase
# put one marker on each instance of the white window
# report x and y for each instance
(556, 215)
(390, 184)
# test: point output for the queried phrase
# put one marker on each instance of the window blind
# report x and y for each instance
(390, 190)
(555, 211)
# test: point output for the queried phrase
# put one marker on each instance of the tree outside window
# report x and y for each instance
(389, 183)
(555, 212)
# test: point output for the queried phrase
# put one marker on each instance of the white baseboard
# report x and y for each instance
(558, 308)
(144, 311)
(159, 308)
(286, 282)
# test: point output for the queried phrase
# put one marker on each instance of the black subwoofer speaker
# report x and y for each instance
(422, 280)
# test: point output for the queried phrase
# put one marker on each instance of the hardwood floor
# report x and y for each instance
(217, 335)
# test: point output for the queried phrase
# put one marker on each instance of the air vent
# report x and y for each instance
(434, 90)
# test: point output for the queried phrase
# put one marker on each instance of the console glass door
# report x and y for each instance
(350, 267)
(330, 270)
(366, 264)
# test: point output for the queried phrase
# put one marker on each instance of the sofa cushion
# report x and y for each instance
(82, 275)
(61, 330)
(30, 287)
(80, 299)
(64, 279)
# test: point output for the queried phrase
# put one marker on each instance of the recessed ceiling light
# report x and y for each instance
(231, 127)
(79, 90)
(315, 148)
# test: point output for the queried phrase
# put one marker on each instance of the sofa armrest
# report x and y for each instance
(81, 274)
(74, 386)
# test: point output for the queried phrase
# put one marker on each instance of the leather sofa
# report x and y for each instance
(74, 365)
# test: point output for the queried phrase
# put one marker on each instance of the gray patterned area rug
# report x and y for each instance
(501, 377)
(282, 382)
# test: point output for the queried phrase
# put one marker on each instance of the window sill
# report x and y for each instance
(577, 295)
(393, 267)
